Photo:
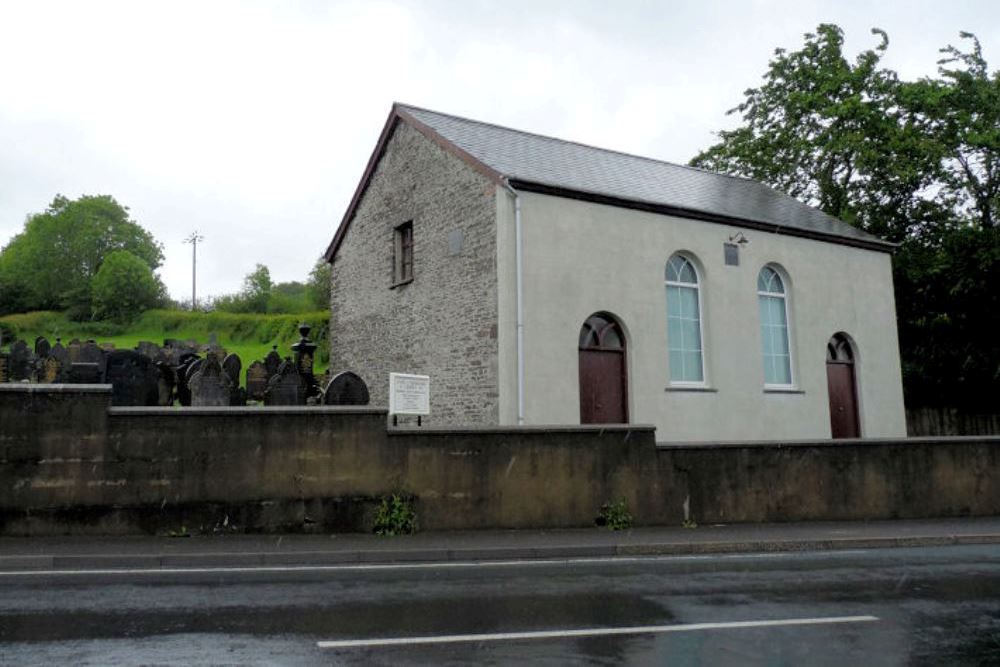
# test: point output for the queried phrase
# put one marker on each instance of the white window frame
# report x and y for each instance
(701, 320)
(785, 297)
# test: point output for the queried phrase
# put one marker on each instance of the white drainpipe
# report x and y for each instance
(519, 291)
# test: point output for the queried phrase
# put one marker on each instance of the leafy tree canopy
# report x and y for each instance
(51, 263)
(915, 162)
(124, 287)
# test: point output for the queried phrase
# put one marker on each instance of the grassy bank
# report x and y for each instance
(248, 335)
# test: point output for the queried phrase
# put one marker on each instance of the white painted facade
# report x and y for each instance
(581, 257)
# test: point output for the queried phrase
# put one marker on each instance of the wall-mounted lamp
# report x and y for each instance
(739, 239)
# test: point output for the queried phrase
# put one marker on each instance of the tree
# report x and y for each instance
(257, 289)
(832, 134)
(124, 287)
(917, 163)
(319, 284)
(51, 262)
(960, 112)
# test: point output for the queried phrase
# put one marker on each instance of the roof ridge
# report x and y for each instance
(578, 143)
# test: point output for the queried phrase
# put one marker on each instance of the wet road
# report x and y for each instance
(890, 606)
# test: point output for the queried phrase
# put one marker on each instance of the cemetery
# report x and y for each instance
(183, 372)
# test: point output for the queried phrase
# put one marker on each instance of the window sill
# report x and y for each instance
(694, 388)
(783, 390)
(401, 283)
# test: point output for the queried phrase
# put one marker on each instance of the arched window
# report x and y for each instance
(684, 341)
(772, 297)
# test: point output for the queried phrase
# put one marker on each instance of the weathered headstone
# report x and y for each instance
(85, 373)
(73, 350)
(285, 387)
(272, 361)
(210, 385)
(165, 383)
(133, 378)
(3, 367)
(90, 353)
(148, 349)
(20, 362)
(184, 375)
(304, 351)
(51, 370)
(232, 365)
(256, 381)
(346, 388)
(42, 347)
(60, 355)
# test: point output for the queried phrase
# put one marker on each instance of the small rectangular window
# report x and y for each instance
(403, 253)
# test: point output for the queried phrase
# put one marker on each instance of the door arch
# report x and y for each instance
(603, 379)
(842, 387)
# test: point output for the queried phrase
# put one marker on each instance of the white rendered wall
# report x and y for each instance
(581, 258)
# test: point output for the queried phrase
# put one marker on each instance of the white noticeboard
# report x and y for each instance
(409, 394)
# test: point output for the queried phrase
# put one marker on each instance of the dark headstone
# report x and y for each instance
(256, 381)
(272, 361)
(185, 372)
(232, 365)
(73, 350)
(346, 388)
(85, 373)
(133, 377)
(304, 351)
(90, 353)
(165, 383)
(3, 367)
(148, 350)
(61, 355)
(20, 362)
(209, 384)
(285, 387)
(42, 347)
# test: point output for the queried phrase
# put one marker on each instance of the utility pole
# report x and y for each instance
(193, 240)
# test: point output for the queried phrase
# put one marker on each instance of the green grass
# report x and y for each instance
(248, 335)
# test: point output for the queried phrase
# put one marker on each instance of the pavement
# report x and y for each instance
(97, 553)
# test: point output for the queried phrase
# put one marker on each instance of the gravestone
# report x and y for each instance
(20, 362)
(285, 387)
(304, 351)
(133, 377)
(209, 385)
(90, 353)
(73, 350)
(346, 388)
(184, 374)
(148, 349)
(3, 367)
(272, 361)
(42, 347)
(256, 381)
(232, 365)
(60, 355)
(50, 371)
(85, 373)
(165, 383)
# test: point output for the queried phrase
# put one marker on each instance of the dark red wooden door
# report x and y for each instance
(603, 383)
(843, 401)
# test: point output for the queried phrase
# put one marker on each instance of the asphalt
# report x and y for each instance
(95, 553)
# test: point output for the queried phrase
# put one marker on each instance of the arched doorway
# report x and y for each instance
(842, 388)
(603, 382)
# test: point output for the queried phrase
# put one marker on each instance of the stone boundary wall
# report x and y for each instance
(70, 463)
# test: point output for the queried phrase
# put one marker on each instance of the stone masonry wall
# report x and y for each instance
(443, 323)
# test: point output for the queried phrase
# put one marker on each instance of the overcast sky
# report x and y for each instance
(251, 122)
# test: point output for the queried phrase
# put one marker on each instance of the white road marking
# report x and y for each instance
(590, 632)
(367, 567)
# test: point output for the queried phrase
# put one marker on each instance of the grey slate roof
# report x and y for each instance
(533, 158)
